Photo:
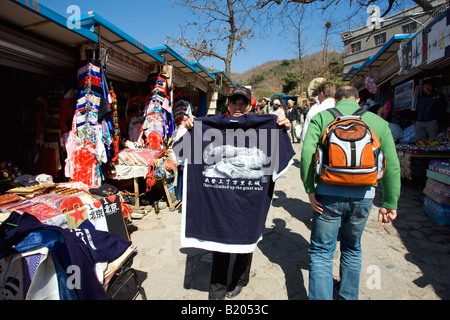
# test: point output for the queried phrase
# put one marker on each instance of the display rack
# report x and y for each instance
(437, 192)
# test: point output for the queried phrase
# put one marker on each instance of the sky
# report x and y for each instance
(151, 21)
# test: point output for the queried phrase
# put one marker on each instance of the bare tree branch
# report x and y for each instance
(216, 28)
(424, 4)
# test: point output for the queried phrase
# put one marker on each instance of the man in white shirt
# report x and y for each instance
(325, 96)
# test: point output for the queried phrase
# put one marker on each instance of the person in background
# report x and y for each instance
(325, 96)
(305, 111)
(430, 112)
(277, 109)
(293, 116)
(264, 107)
(253, 109)
(344, 209)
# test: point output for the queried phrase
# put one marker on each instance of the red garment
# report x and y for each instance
(47, 161)
(84, 165)
(66, 110)
(126, 210)
(94, 80)
(154, 140)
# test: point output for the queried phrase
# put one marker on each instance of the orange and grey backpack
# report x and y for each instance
(350, 154)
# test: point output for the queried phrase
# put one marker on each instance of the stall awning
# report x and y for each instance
(351, 73)
(36, 39)
(37, 19)
(106, 30)
(221, 76)
(173, 58)
(128, 58)
(389, 49)
(202, 72)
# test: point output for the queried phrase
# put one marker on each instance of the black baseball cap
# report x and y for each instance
(242, 91)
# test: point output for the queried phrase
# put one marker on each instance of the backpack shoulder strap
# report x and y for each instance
(359, 112)
(335, 112)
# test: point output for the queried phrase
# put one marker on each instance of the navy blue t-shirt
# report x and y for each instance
(231, 164)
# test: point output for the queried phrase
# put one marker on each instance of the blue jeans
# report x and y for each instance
(350, 215)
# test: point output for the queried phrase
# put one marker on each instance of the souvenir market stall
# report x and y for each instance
(65, 127)
(407, 152)
(38, 240)
(156, 121)
(147, 152)
(86, 204)
(426, 164)
(396, 74)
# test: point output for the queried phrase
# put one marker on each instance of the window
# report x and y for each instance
(409, 28)
(355, 47)
(379, 39)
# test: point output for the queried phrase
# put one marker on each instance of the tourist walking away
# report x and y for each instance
(430, 112)
(229, 191)
(293, 116)
(305, 111)
(325, 97)
(277, 108)
(341, 191)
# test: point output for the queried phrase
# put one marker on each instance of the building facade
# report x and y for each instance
(364, 42)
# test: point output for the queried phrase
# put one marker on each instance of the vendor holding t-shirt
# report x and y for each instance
(239, 104)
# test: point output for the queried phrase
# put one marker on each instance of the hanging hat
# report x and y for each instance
(27, 180)
(104, 191)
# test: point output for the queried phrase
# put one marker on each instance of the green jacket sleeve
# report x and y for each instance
(391, 181)
(313, 135)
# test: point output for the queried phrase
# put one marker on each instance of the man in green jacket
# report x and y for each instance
(344, 207)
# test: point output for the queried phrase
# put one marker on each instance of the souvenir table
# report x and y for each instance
(407, 152)
(435, 169)
(142, 163)
(68, 205)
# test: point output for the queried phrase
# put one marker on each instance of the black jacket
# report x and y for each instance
(293, 114)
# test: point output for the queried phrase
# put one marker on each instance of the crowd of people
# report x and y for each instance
(266, 105)
(294, 113)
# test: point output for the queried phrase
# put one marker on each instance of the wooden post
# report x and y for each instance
(136, 192)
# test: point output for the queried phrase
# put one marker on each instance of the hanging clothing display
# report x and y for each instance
(158, 125)
(93, 132)
(116, 132)
(182, 111)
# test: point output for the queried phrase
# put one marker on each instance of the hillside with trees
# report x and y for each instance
(285, 76)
